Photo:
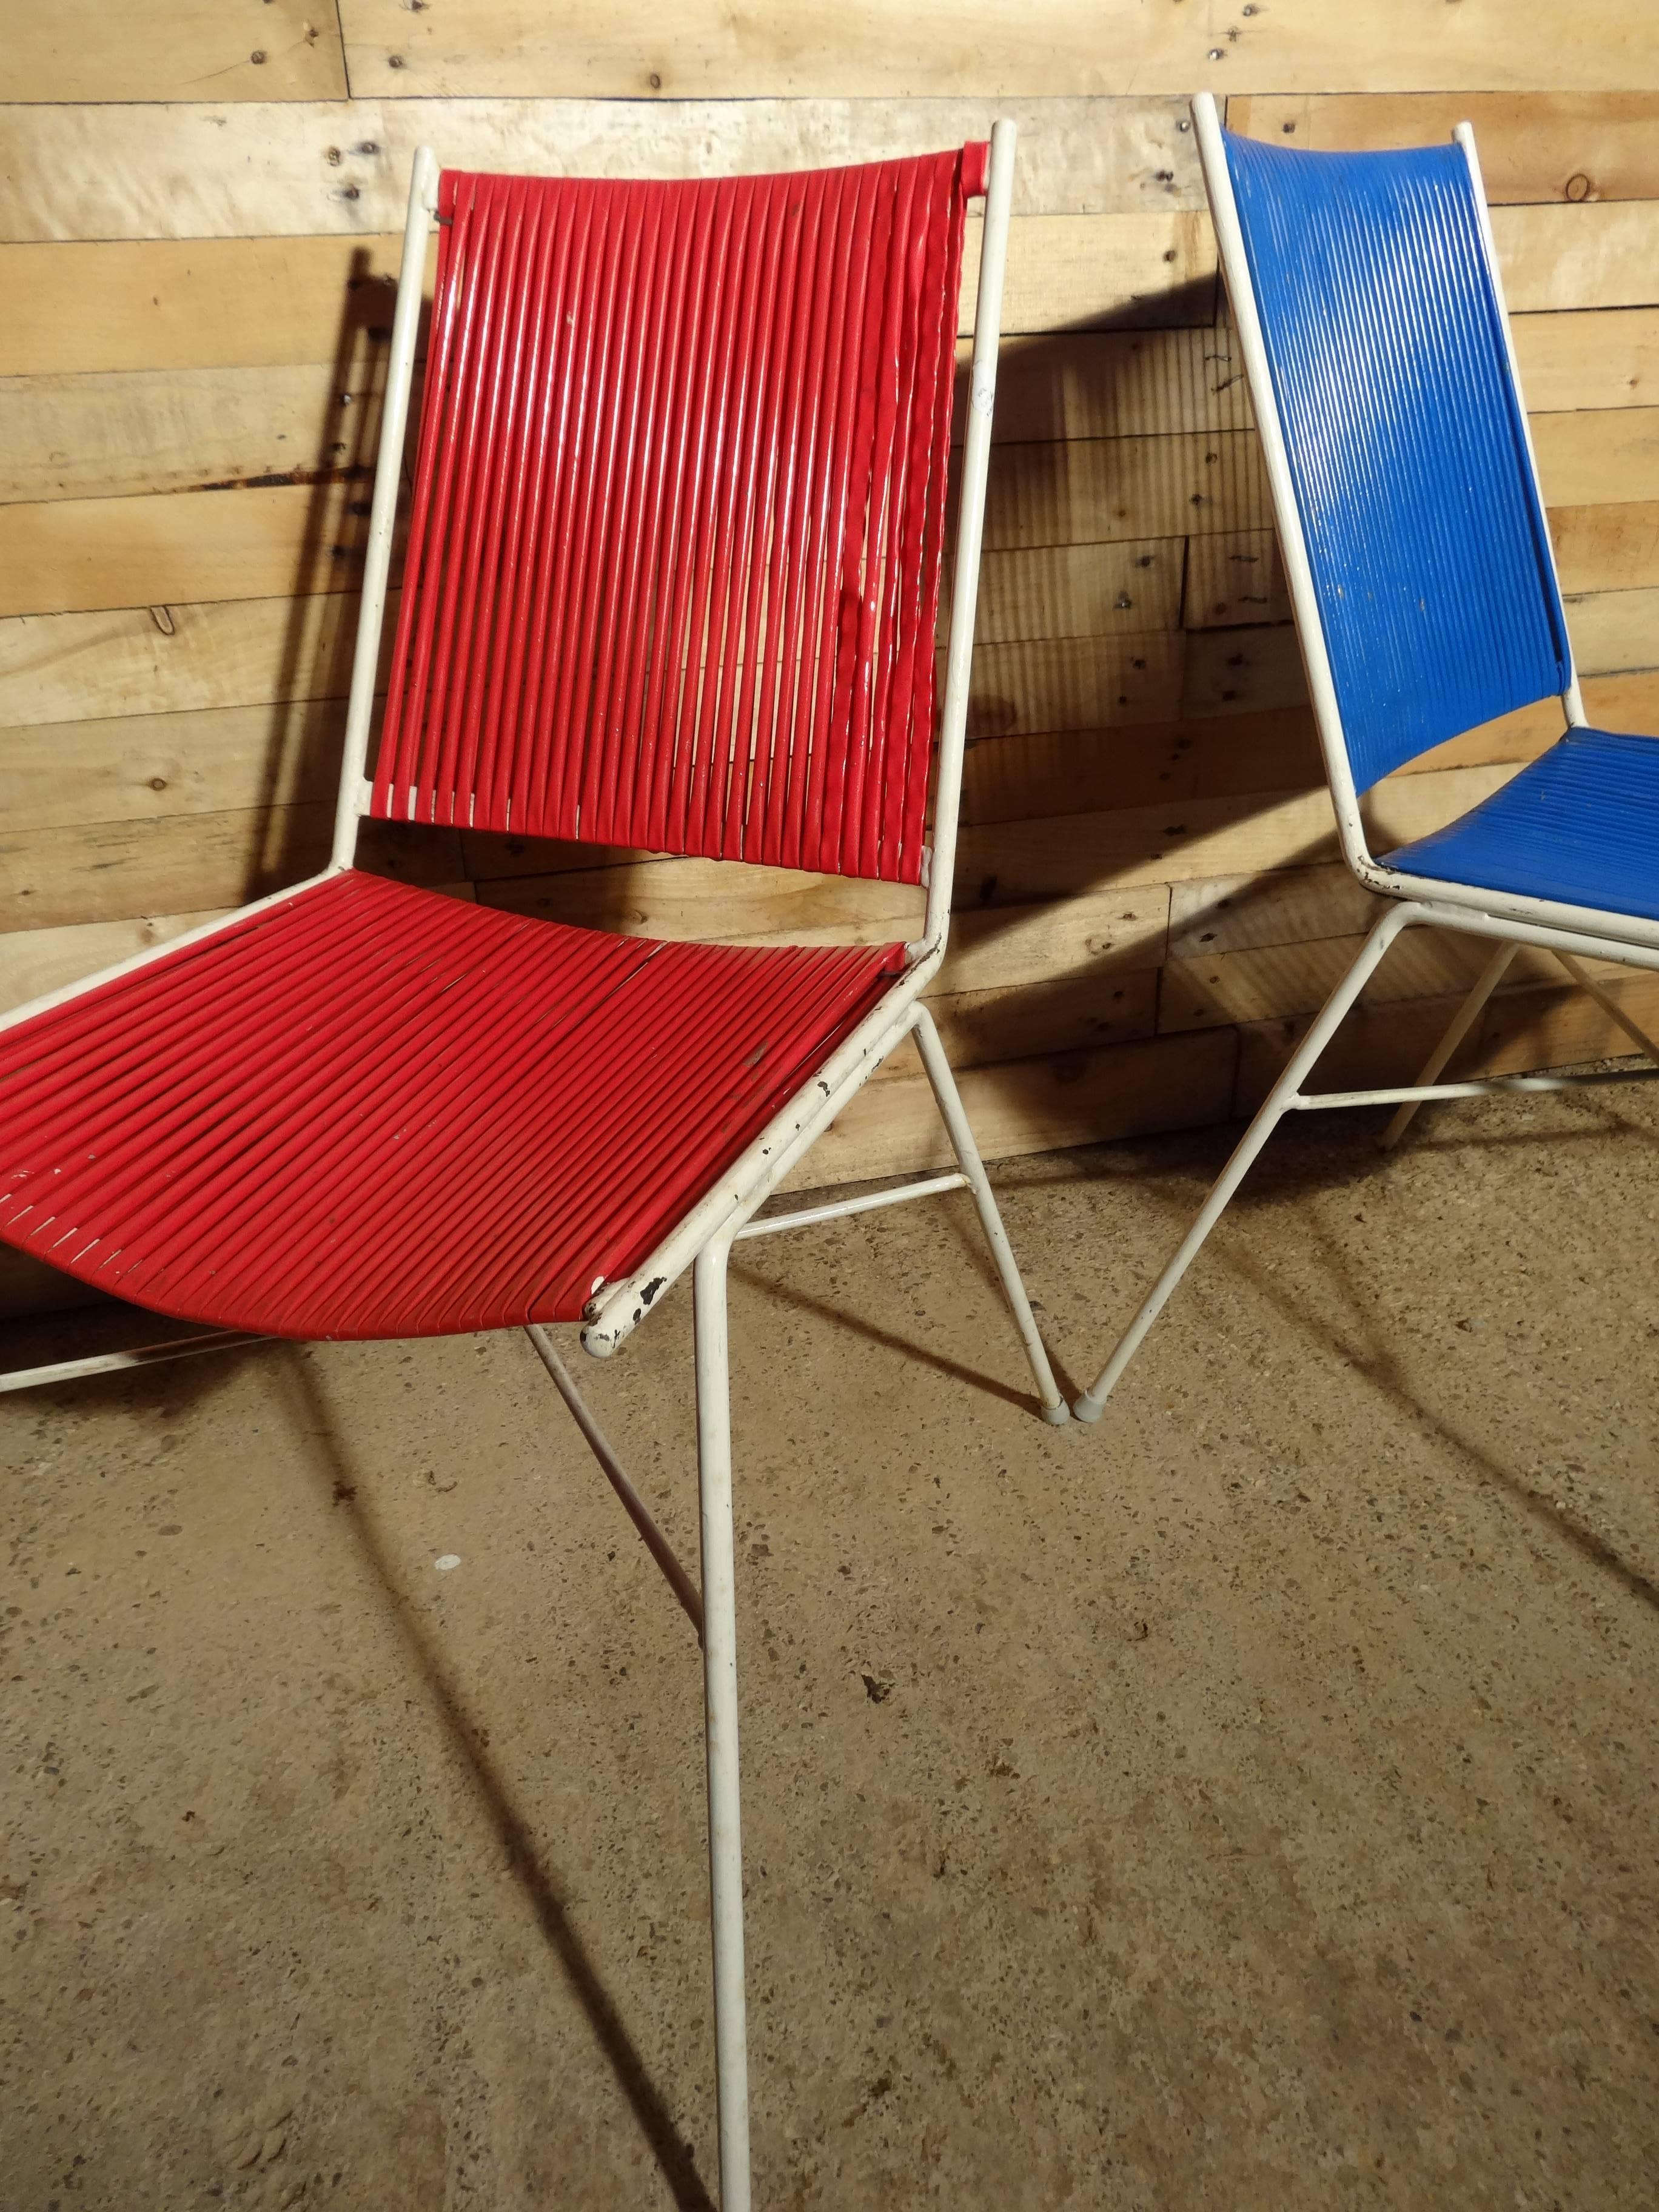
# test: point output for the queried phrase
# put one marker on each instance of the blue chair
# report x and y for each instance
(1404, 488)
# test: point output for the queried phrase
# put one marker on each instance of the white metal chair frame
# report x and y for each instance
(704, 1239)
(1509, 920)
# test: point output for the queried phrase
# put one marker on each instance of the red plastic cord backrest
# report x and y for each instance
(674, 545)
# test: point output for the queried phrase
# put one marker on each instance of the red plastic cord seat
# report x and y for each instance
(374, 1111)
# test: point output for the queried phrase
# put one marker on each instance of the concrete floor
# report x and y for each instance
(1247, 1802)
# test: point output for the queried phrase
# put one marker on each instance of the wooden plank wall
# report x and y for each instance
(197, 219)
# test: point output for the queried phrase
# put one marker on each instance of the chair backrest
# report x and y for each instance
(676, 536)
(1414, 487)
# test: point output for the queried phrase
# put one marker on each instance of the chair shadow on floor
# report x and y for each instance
(312, 1419)
(1288, 1171)
(958, 1209)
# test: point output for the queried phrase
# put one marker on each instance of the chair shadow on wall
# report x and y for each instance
(313, 671)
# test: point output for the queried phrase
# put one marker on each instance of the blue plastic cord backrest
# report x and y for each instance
(1407, 446)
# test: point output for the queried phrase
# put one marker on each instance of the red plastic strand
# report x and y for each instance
(374, 1111)
(677, 517)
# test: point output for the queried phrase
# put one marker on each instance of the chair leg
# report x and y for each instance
(1280, 1100)
(1462, 1022)
(719, 1674)
(948, 1098)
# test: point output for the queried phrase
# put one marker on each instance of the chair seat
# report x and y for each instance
(374, 1111)
(1580, 825)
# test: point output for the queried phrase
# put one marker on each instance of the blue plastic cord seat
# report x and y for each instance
(1580, 825)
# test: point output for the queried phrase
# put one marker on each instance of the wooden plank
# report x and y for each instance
(1522, 1032)
(1232, 579)
(176, 658)
(83, 435)
(1084, 938)
(35, 961)
(1238, 914)
(82, 50)
(1008, 779)
(1231, 756)
(1556, 1028)
(1613, 631)
(72, 556)
(1604, 255)
(1605, 549)
(1623, 702)
(1031, 1106)
(1069, 272)
(1607, 357)
(294, 167)
(105, 871)
(204, 303)
(1074, 683)
(1242, 672)
(1079, 591)
(140, 768)
(1110, 384)
(1259, 982)
(265, 302)
(1535, 145)
(1601, 455)
(809, 47)
(1054, 1014)
(270, 540)
(1109, 491)
(1016, 863)
(716, 900)
(1375, 1046)
(143, 430)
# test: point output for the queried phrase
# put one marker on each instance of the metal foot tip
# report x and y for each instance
(1085, 1408)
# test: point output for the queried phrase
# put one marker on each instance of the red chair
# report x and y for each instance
(671, 583)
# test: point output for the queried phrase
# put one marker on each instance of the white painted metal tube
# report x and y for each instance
(1052, 1404)
(633, 1504)
(719, 1674)
(383, 513)
(1461, 1022)
(1273, 1108)
(1298, 572)
(65, 992)
(1572, 701)
(113, 1362)
(620, 1307)
(771, 1224)
(971, 530)
(1576, 929)
(1485, 1086)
